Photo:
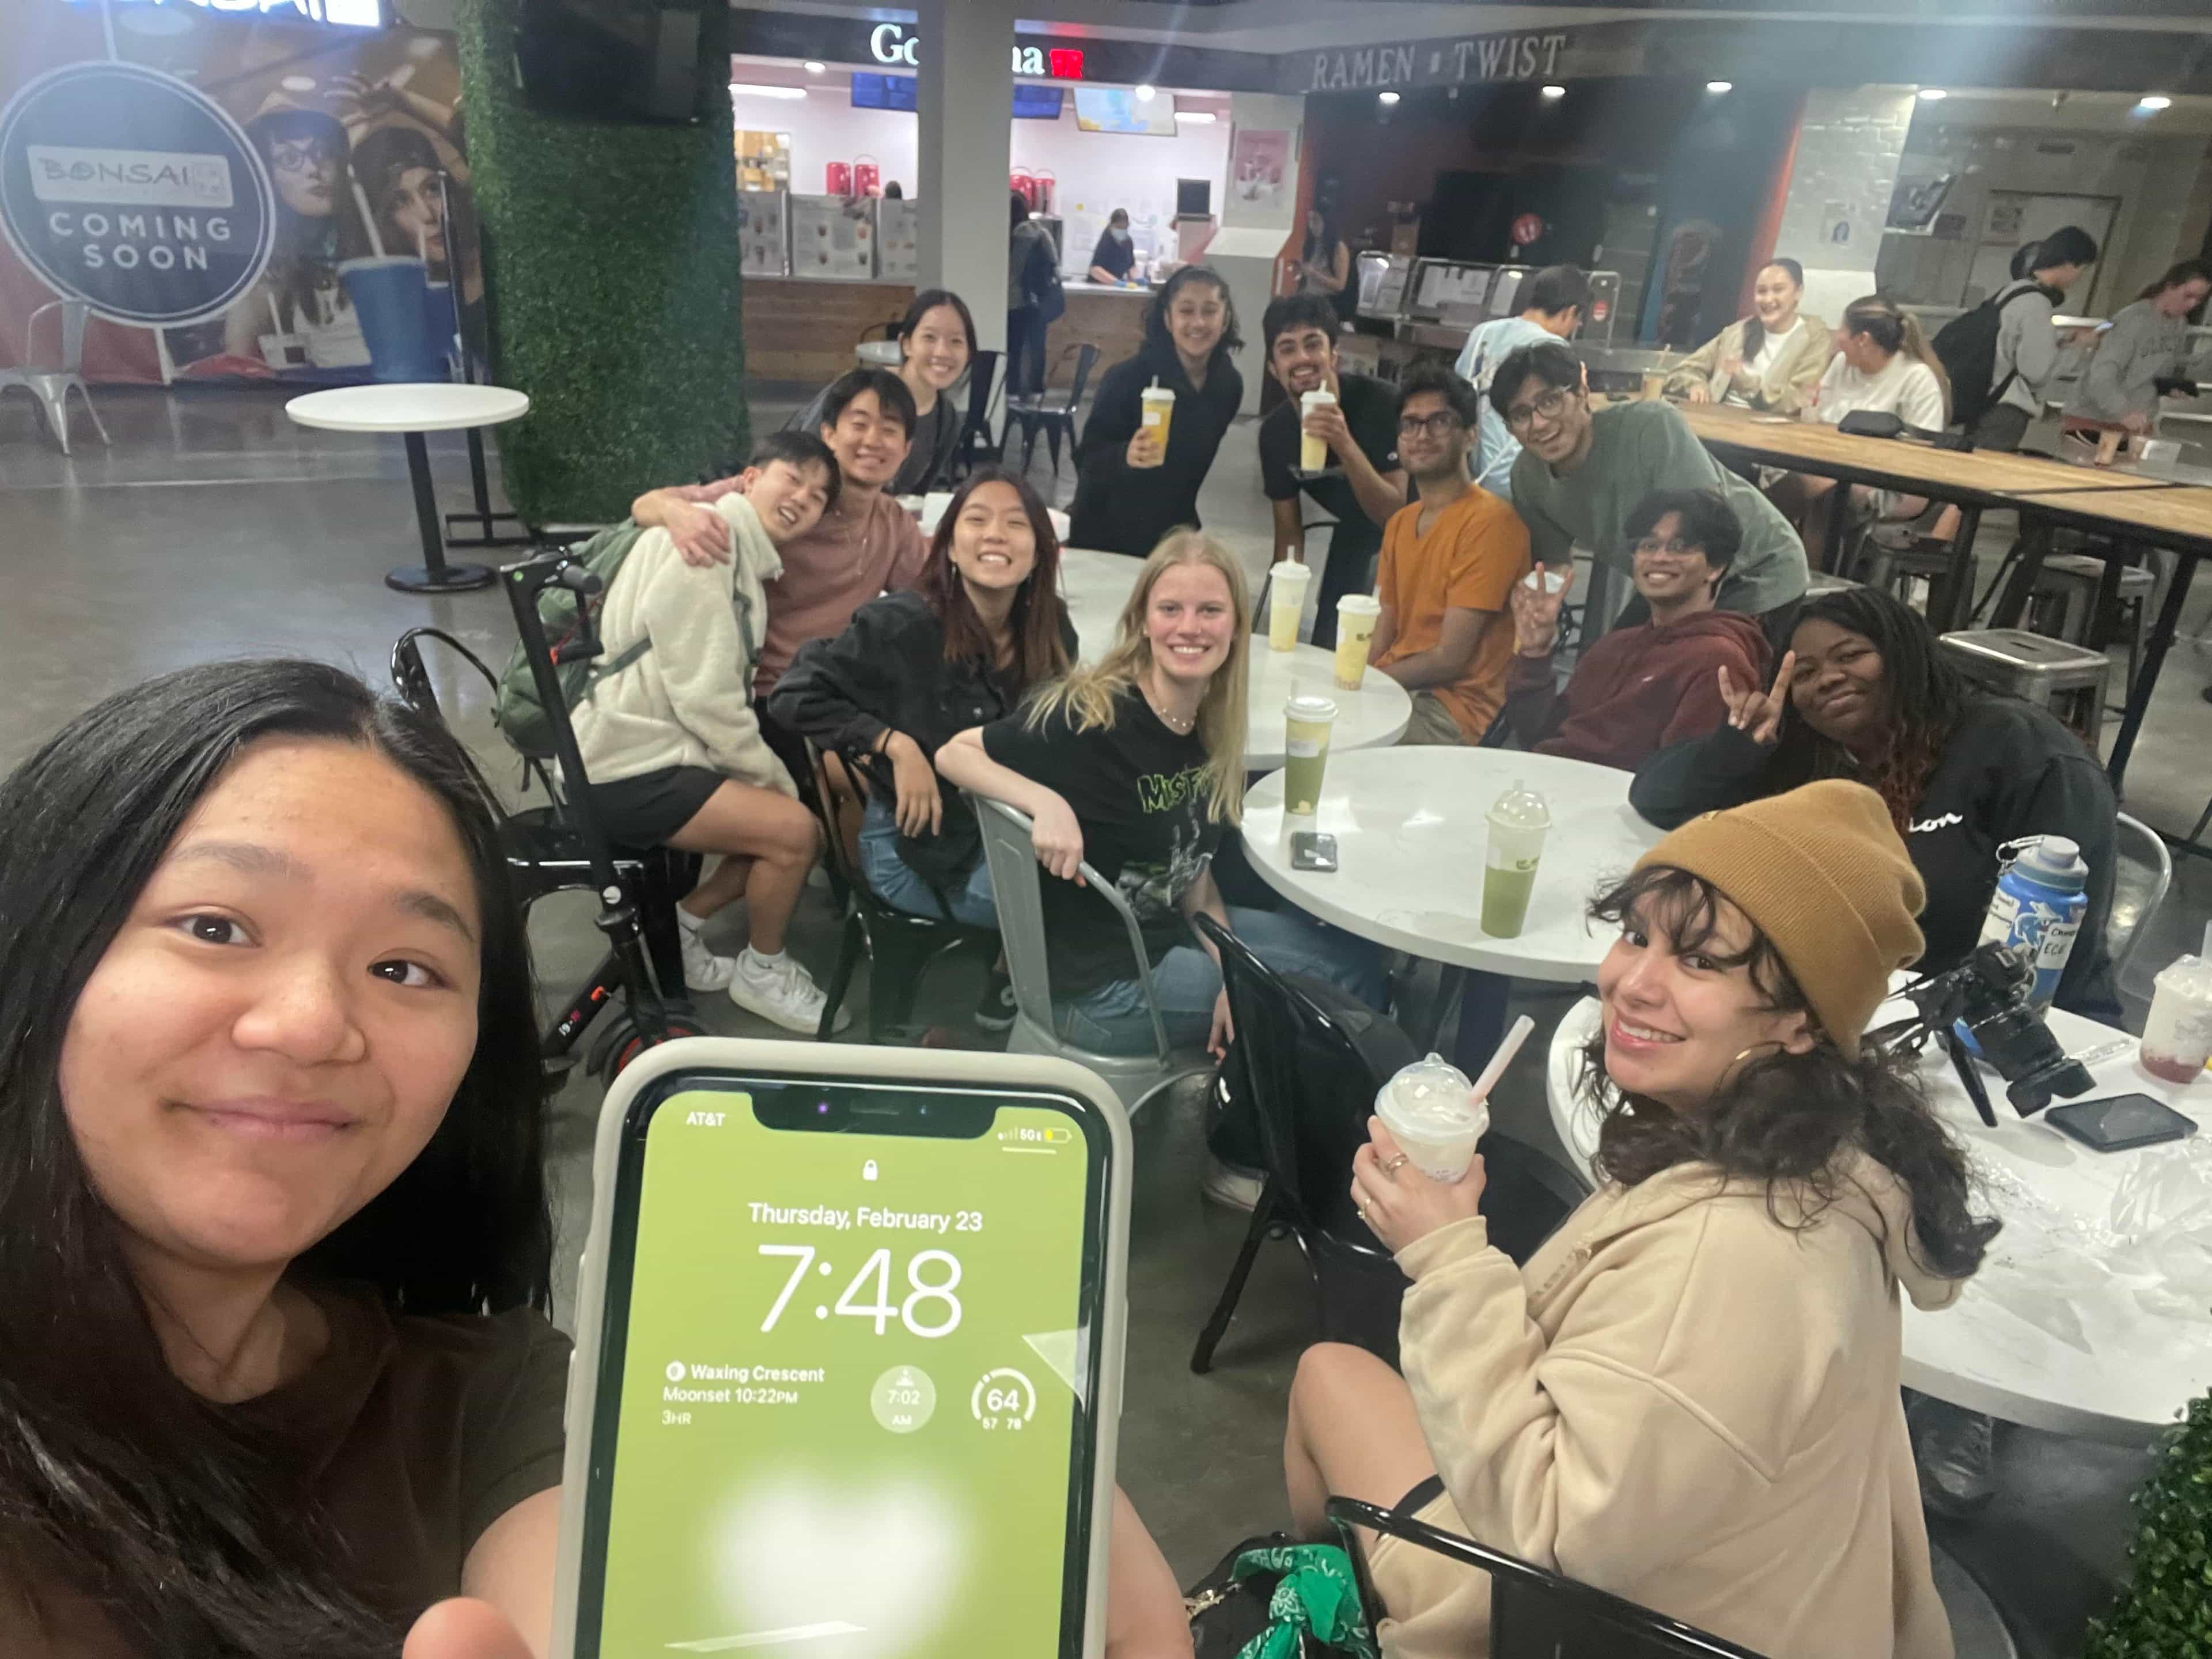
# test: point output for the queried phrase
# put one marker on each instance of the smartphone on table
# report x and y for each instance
(2120, 1124)
(849, 1357)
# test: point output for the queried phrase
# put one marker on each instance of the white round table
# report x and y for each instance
(2047, 1333)
(1410, 828)
(1095, 586)
(411, 409)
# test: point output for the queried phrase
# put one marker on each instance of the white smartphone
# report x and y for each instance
(849, 1357)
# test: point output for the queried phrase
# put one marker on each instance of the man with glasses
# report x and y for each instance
(1362, 485)
(1583, 471)
(1449, 559)
(1638, 689)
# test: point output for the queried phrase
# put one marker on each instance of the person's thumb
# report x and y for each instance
(464, 1629)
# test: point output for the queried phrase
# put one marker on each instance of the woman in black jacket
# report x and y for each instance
(1129, 492)
(983, 628)
(1865, 693)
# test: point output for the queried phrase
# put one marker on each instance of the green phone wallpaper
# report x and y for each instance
(848, 1398)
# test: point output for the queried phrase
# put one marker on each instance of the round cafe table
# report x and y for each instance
(2053, 1332)
(411, 409)
(1095, 586)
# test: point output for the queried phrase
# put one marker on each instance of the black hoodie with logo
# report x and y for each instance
(2010, 770)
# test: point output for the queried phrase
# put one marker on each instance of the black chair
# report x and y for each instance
(899, 945)
(1035, 415)
(546, 854)
(975, 447)
(1535, 1614)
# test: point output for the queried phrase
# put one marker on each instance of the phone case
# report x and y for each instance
(837, 1062)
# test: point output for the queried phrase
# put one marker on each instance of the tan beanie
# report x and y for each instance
(1822, 873)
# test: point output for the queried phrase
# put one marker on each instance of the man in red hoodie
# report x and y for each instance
(1638, 689)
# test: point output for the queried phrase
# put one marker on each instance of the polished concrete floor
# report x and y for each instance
(215, 528)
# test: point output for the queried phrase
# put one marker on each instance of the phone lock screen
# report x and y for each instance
(845, 1404)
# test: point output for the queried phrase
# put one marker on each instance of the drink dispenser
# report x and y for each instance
(840, 178)
(867, 177)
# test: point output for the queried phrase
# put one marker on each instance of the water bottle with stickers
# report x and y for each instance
(2037, 907)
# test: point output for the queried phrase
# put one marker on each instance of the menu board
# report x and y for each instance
(763, 244)
(833, 236)
(899, 240)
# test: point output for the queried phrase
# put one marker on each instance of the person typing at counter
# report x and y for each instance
(1116, 256)
(1581, 472)
(1362, 484)
(1132, 487)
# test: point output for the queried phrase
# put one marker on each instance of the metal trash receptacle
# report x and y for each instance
(2066, 678)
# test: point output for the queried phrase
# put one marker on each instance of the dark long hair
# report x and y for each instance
(1784, 1118)
(1156, 314)
(1923, 698)
(194, 1536)
(926, 302)
(1321, 245)
(1039, 653)
(2186, 271)
(1748, 346)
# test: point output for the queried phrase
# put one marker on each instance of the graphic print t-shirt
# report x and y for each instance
(1139, 790)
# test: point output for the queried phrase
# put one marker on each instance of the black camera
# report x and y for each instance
(1988, 993)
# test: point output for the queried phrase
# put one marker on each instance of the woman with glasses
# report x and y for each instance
(319, 226)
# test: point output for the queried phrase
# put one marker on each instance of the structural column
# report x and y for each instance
(964, 105)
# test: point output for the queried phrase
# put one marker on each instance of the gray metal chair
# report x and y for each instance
(1016, 880)
(51, 386)
(2137, 890)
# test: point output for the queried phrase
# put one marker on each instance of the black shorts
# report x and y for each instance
(647, 810)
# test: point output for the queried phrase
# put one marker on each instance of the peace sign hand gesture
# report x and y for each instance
(1758, 715)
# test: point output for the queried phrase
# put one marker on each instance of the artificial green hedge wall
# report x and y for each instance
(2166, 1612)
(611, 255)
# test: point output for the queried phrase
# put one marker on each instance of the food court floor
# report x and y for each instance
(214, 527)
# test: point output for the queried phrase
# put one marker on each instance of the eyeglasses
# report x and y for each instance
(1442, 424)
(299, 158)
(1550, 407)
(1672, 544)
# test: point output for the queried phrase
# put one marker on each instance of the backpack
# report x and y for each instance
(1967, 346)
(517, 710)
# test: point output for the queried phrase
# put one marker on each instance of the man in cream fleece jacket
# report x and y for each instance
(671, 742)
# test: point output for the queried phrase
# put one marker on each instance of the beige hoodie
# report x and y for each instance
(687, 701)
(1689, 1403)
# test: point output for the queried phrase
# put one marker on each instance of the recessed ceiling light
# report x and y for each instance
(1720, 86)
(298, 83)
(1203, 118)
(813, 67)
(1933, 95)
(2155, 100)
(1386, 97)
(1555, 92)
(754, 89)
(1145, 94)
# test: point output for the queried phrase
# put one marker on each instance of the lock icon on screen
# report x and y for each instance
(868, 1171)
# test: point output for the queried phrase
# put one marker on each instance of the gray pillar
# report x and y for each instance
(964, 107)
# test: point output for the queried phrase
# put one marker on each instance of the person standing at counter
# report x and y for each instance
(1325, 263)
(1363, 484)
(1552, 307)
(1032, 276)
(937, 341)
(1770, 361)
(1131, 489)
(2147, 342)
(1116, 256)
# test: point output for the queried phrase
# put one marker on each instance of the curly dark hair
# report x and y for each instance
(1783, 1117)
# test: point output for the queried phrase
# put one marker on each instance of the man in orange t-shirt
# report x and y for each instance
(1448, 561)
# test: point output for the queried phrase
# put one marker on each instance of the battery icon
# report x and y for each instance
(1059, 1137)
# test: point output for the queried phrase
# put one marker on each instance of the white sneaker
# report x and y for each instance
(780, 991)
(702, 970)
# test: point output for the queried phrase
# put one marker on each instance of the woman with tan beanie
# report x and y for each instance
(1689, 1396)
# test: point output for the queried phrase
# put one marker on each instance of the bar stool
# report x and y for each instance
(2064, 602)
(2066, 678)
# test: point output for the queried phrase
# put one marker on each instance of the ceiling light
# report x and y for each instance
(1204, 118)
(1555, 92)
(1386, 97)
(298, 83)
(2153, 100)
(1933, 95)
(815, 67)
(754, 89)
(1145, 94)
(1720, 86)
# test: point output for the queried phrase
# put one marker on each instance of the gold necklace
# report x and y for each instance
(1180, 728)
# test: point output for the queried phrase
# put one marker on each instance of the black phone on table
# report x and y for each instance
(2120, 1124)
(1311, 850)
(849, 1357)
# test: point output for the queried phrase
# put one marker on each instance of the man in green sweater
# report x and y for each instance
(1582, 471)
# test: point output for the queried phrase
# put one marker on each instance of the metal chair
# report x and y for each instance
(2137, 890)
(1016, 887)
(899, 944)
(51, 387)
(1034, 414)
(1536, 1615)
(974, 448)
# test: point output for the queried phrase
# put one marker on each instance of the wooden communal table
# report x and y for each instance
(1973, 479)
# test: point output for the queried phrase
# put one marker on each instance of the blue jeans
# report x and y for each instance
(896, 883)
(1112, 1019)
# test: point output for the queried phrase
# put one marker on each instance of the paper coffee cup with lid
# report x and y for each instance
(1430, 1111)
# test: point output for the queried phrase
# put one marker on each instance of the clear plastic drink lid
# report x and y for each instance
(1433, 1096)
(1521, 807)
(2187, 977)
(1309, 708)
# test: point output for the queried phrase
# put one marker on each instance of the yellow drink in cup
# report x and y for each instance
(1356, 616)
(1306, 722)
(1313, 453)
(1157, 412)
(1286, 603)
